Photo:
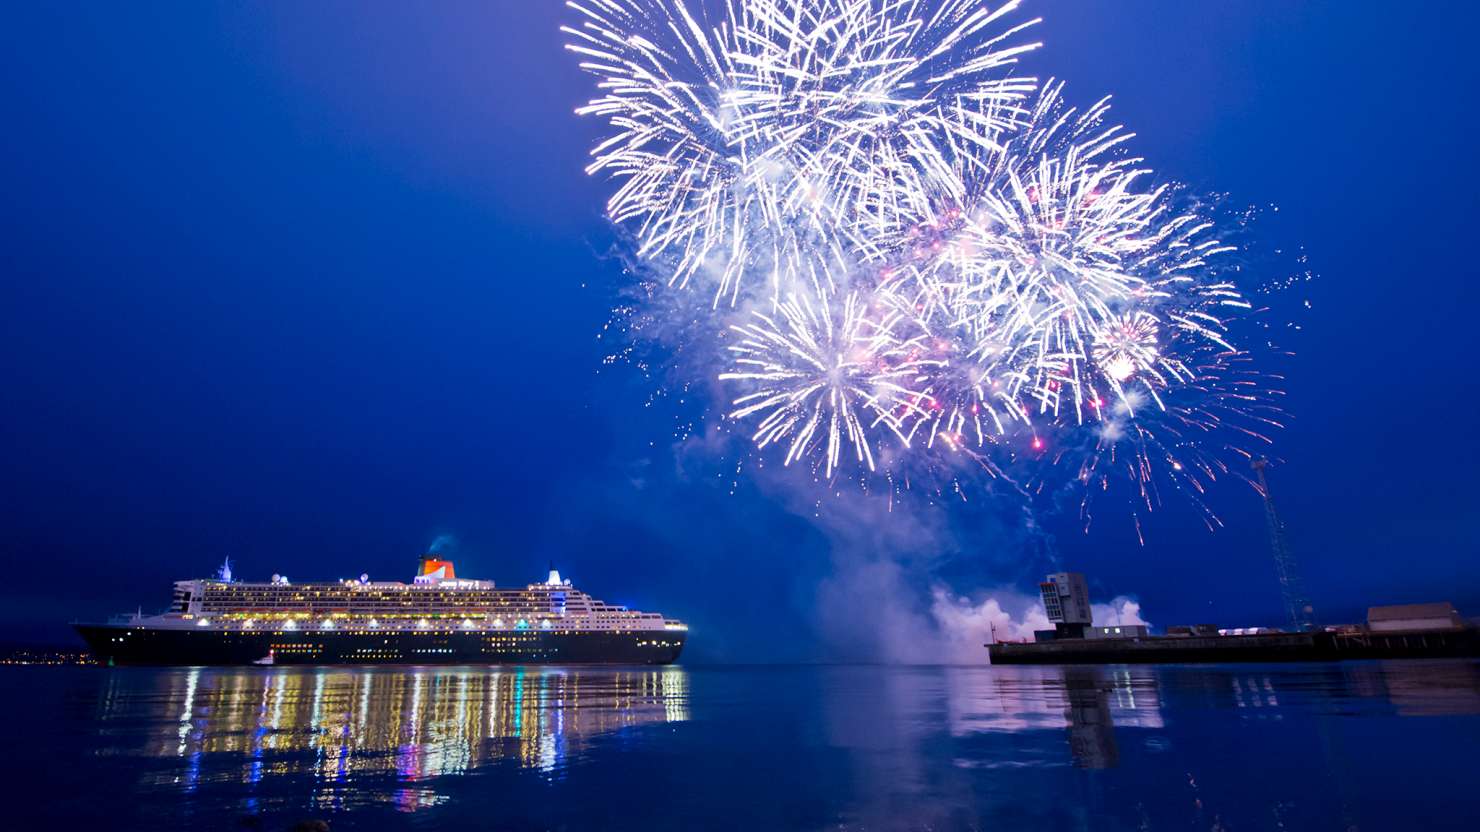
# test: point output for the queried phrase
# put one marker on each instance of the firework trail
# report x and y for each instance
(898, 241)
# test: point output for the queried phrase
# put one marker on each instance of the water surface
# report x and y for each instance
(1372, 746)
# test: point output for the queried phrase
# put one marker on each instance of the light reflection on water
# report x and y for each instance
(336, 724)
(830, 747)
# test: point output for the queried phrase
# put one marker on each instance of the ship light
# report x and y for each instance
(290, 624)
(422, 624)
(498, 622)
(248, 624)
(521, 625)
(327, 625)
(373, 623)
(204, 622)
(545, 624)
(467, 623)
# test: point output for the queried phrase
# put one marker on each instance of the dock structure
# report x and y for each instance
(1261, 647)
(1407, 631)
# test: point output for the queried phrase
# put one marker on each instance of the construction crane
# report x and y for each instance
(1297, 606)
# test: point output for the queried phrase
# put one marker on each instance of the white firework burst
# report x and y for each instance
(773, 134)
(823, 371)
(1126, 345)
(1060, 250)
(920, 248)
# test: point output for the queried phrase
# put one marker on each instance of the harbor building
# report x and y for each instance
(1066, 601)
(1414, 617)
(1118, 631)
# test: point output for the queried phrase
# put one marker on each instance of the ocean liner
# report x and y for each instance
(438, 618)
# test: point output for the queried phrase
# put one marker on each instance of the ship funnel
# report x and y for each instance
(554, 579)
(434, 568)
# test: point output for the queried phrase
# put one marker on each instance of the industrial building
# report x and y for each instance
(1118, 631)
(1414, 617)
(1066, 601)
(1193, 630)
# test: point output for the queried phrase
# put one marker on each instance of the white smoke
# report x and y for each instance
(965, 625)
(1121, 611)
(865, 612)
(897, 562)
(886, 599)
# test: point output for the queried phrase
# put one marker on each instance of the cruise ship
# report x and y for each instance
(438, 618)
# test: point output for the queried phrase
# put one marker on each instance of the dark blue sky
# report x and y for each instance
(310, 284)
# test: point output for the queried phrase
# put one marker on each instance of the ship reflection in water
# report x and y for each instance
(1357, 745)
(337, 726)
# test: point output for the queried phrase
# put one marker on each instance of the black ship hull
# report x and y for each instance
(122, 644)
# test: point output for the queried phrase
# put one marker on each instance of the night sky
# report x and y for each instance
(310, 285)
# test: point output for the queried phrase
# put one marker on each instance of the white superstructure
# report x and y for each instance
(436, 599)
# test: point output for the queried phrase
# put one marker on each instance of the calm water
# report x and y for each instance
(1375, 746)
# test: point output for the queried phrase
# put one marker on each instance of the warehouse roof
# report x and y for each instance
(1440, 609)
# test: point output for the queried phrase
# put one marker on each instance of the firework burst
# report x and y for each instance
(902, 243)
(1063, 257)
(774, 135)
(824, 370)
